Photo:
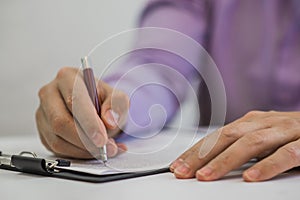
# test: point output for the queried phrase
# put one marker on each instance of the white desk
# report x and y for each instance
(15, 185)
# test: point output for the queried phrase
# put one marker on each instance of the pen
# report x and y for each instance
(90, 83)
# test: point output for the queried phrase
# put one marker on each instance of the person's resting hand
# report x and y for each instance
(271, 137)
(68, 122)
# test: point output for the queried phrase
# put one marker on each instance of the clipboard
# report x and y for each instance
(29, 162)
(146, 157)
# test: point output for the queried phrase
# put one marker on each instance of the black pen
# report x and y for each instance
(90, 83)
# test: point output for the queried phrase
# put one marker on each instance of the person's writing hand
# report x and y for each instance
(272, 137)
(68, 122)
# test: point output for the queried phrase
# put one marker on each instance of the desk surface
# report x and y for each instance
(14, 185)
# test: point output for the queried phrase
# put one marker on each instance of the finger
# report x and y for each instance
(208, 148)
(122, 148)
(77, 100)
(65, 149)
(265, 153)
(112, 148)
(41, 126)
(56, 144)
(58, 116)
(114, 109)
(188, 153)
(187, 164)
(285, 158)
(251, 145)
(213, 144)
(255, 115)
(48, 138)
(111, 119)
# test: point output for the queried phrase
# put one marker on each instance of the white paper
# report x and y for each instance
(143, 153)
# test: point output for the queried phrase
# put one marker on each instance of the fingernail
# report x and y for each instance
(252, 174)
(205, 172)
(176, 164)
(183, 169)
(112, 118)
(98, 139)
(122, 147)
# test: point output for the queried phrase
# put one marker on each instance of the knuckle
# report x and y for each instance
(230, 133)
(255, 139)
(285, 122)
(69, 100)
(253, 113)
(272, 111)
(293, 153)
(226, 160)
(269, 122)
(272, 164)
(63, 72)
(42, 92)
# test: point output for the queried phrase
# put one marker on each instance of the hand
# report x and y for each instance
(68, 123)
(273, 137)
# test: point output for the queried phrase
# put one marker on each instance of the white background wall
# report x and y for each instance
(37, 37)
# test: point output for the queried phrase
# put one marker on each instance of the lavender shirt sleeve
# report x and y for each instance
(155, 90)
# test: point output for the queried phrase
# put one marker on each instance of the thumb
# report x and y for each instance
(114, 110)
(111, 119)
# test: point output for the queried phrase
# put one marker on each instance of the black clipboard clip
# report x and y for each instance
(29, 162)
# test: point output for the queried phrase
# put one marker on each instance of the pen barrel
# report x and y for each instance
(90, 83)
(91, 87)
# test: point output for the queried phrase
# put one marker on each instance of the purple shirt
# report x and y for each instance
(255, 45)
